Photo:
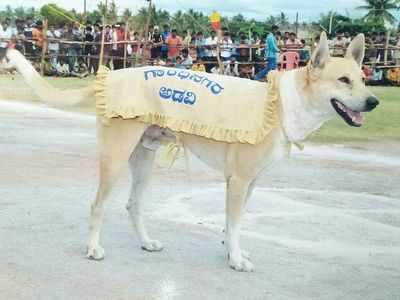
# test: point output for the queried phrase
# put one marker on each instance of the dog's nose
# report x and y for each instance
(372, 102)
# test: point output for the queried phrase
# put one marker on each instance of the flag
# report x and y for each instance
(215, 20)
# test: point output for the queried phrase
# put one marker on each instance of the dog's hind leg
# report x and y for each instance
(141, 164)
(236, 197)
(116, 144)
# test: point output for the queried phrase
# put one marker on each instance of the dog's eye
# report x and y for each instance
(345, 80)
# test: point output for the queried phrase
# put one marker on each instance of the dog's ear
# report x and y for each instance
(356, 50)
(321, 54)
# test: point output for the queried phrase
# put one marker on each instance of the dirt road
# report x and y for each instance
(323, 225)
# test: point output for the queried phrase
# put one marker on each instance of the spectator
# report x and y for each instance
(156, 42)
(293, 42)
(187, 60)
(20, 28)
(226, 46)
(304, 52)
(187, 39)
(136, 44)
(339, 45)
(169, 63)
(271, 54)
(53, 46)
(80, 69)
(179, 64)
(377, 75)
(347, 38)
(243, 49)
(174, 42)
(37, 37)
(89, 38)
(380, 42)
(393, 75)
(6, 32)
(211, 50)
(198, 66)
(370, 51)
(279, 40)
(200, 43)
(28, 45)
(164, 48)
(95, 50)
(367, 73)
(108, 36)
(286, 36)
(119, 48)
(73, 33)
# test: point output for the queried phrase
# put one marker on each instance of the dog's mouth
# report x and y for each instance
(353, 118)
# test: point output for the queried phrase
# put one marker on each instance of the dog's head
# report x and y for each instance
(337, 84)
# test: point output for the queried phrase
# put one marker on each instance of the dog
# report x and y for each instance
(309, 96)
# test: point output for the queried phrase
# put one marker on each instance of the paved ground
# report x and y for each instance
(323, 225)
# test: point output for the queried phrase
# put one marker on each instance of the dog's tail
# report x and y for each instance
(46, 92)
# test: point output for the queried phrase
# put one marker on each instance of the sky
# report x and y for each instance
(259, 9)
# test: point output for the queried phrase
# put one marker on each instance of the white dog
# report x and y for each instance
(310, 96)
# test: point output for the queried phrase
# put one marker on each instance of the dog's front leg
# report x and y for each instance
(236, 197)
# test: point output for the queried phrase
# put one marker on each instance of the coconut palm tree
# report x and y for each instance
(380, 10)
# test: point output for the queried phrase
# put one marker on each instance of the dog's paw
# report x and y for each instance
(152, 246)
(95, 253)
(242, 264)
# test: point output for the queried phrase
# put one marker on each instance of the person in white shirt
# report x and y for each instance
(54, 46)
(6, 33)
(226, 47)
(187, 60)
(211, 50)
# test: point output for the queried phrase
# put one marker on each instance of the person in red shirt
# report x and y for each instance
(174, 43)
(119, 53)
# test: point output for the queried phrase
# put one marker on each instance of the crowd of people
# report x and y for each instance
(74, 49)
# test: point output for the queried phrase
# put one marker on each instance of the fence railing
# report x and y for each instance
(142, 55)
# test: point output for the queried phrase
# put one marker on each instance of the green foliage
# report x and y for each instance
(360, 26)
(380, 11)
(56, 15)
(18, 13)
(110, 12)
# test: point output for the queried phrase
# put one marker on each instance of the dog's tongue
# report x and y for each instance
(356, 117)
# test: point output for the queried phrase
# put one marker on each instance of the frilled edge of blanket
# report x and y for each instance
(228, 135)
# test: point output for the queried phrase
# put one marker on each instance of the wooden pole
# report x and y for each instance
(220, 64)
(103, 33)
(250, 44)
(84, 10)
(146, 30)
(125, 44)
(44, 47)
(331, 22)
(386, 48)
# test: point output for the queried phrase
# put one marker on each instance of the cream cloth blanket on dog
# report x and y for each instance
(222, 108)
